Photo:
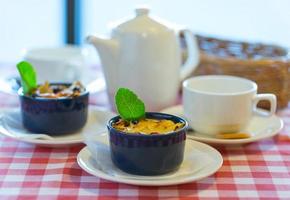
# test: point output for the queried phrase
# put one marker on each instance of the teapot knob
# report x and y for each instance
(142, 11)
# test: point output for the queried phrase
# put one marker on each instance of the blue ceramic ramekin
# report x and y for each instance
(54, 116)
(148, 154)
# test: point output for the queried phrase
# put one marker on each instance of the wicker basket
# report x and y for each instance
(267, 65)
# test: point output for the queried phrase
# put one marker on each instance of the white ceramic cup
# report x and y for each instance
(218, 104)
(57, 64)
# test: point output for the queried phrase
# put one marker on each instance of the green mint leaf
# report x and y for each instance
(129, 106)
(28, 77)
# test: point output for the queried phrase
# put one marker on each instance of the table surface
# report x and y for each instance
(257, 170)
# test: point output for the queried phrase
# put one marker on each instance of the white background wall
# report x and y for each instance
(263, 20)
(33, 23)
(252, 20)
(29, 23)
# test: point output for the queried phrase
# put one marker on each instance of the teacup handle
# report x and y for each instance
(268, 97)
(193, 55)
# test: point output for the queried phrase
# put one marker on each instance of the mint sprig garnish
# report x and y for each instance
(129, 106)
(28, 77)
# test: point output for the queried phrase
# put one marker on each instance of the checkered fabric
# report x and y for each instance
(258, 170)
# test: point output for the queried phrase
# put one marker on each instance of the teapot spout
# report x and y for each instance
(107, 49)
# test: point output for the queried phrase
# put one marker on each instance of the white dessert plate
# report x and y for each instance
(259, 128)
(11, 126)
(200, 161)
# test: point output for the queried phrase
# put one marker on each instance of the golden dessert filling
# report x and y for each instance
(47, 90)
(148, 126)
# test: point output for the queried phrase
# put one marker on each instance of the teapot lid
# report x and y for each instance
(141, 23)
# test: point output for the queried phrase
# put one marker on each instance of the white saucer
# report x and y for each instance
(200, 161)
(11, 126)
(10, 85)
(259, 128)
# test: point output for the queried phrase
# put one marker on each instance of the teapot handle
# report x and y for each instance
(193, 55)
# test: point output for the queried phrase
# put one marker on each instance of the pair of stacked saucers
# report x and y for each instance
(140, 147)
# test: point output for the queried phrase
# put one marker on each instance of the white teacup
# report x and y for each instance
(218, 104)
(58, 64)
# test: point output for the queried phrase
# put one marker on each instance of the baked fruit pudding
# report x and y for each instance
(57, 108)
(145, 143)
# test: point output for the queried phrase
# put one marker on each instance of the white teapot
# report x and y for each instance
(144, 55)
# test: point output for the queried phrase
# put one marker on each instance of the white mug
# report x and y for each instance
(57, 64)
(218, 104)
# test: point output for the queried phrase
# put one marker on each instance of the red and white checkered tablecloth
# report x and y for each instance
(258, 170)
